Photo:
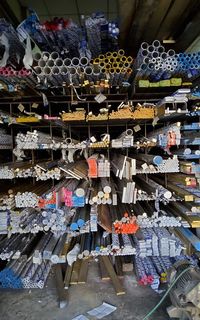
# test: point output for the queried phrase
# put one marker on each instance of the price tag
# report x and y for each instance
(21, 107)
(100, 98)
(35, 105)
(137, 128)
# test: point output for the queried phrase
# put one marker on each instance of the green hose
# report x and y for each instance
(165, 295)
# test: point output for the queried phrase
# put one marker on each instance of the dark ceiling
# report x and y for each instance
(140, 20)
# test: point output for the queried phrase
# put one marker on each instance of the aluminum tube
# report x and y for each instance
(59, 62)
(88, 71)
(156, 43)
(41, 63)
(84, 61)
(45, 55)
(75, 62)
(54, 55)
(37, 56)
(38, 71)
(160, 49)
(64, 70)
(47, 71)
(144, 45)
(121, 52)
(50, 63)
(150, 49)
(55, 70)
(171, 53)
(67, 62)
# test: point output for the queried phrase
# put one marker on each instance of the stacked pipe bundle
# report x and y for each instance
(98, 165)
(11, 76)
(25, 274)
(151, 271)
(125, 140)
(102, 192)
(157, 242)
(37, 140)
(115, 66)
(126, 225)
(154, 62)
(188, 64)
(102, 36)
(80, 220)
(156, 164)
(158, 219)
(166, 136)
(33, 221)
(15, 246)
(5, 140)
(57, 70)
(74, 193)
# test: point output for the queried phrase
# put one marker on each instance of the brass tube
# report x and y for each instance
(129, 59)
(108, 54)
(121, 52)
(101, 57)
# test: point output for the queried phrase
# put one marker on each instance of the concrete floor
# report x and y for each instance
(42, 305)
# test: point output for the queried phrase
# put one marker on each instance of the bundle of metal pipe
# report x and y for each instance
(98, 165)
(77, 170)
(123, 166)
(154, 62)
(80, 220)
(102, 192)
(188, 64)
(149, 164)
(157, 242)
(12, 77)
(25, 274)
(15, 246)
(14, 50)
(125, 140)
(5, 140)
(166, 136)
(37, 140)
(158, 219)
(101, 35)
(115, 66)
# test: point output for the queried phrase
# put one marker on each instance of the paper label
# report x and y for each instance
(21, 107)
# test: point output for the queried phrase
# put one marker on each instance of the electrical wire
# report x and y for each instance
(166, 293)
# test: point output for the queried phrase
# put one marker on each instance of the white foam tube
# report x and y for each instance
(75, 62)
(54, 55)
(67, 62)
(37, 56)
(50, 63)
(47, 71)
(59, 62)
(41, 63)
(84, 61)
